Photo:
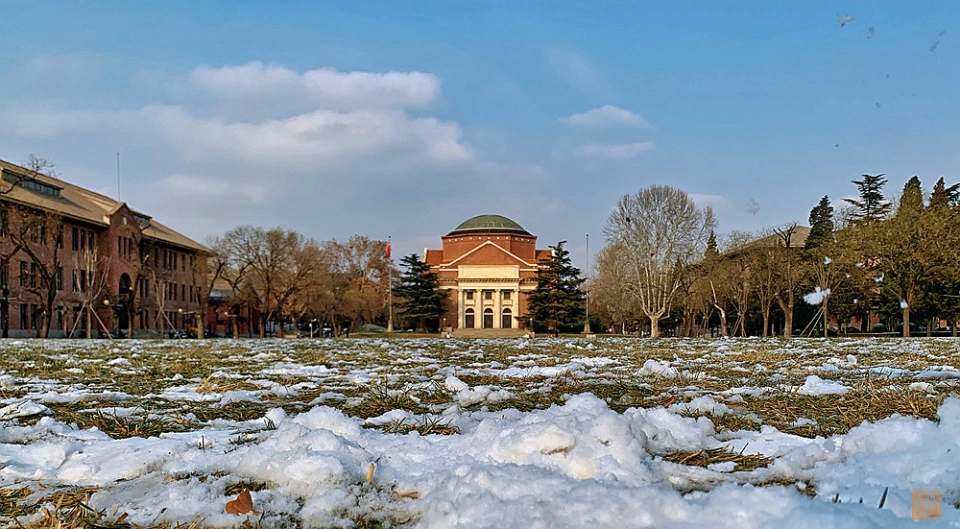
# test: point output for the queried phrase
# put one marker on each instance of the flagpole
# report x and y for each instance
(390, 283)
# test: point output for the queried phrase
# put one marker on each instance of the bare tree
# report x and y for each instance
(661, 231)
(39, 235)
(89, 284)
(786, 261)
(605, 288)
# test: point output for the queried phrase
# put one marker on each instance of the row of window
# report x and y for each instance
(125, 247)
(172, 260)
(488, 295)
(30, 277)
(506, 319)
(173, 293)
(83, 239)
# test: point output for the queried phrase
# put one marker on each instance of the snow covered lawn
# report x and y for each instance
(438, 433)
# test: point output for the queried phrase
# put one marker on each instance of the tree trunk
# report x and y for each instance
(723, 320)
(89, 322)
(826, 315)
(766, 323)
(906, 321)
(654, 326)
(787, 308)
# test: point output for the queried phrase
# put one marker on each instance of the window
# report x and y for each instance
(183, 292)
(59, 278)
(23, 315)
(33, 275)
(3, 277)
(506, 295)
(59, 237)
(32, 185)
(23, 275)
(76, 239)
(469, 295)
(487, 294)
(3, 223)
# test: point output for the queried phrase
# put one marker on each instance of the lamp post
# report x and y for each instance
(586, 292)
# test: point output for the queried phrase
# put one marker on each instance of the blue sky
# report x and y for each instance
(403, 119)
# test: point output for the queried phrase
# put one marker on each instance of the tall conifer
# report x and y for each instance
(871, 206)
(418, 288)
(821, 224)
(558, 299)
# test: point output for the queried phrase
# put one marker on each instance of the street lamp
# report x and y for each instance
(586, 292)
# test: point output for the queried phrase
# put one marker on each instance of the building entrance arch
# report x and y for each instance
(487, 318)
(506, 319)
(469, 319)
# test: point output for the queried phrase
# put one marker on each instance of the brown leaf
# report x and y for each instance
(242, 505)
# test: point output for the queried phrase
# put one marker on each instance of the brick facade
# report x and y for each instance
(109, 257)
(488, 265)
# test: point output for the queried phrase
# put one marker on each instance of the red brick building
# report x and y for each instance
(94, 257)
(488, 264)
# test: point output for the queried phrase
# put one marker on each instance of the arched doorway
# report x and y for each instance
(469, 319)
(487, 318)
(123, 303)
(506, 319)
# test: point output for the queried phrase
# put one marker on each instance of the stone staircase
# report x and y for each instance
(491, 333)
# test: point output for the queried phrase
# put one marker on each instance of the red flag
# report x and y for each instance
(388, 250)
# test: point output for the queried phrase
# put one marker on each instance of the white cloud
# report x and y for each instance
(613, 152)
(254, 89)
(607, 115)
(331, 153)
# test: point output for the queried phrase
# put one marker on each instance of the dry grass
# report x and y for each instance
(704, 458)
(425, 426)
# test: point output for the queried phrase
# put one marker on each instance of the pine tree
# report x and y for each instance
(872, 206)
(418, 288)
(558, 299)
(712, 250)
(911, 201)
(821, 224)
(943, 196)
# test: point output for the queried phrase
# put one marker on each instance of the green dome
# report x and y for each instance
(489, 224)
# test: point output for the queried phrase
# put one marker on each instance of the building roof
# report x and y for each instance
(488, 224)
(77, 203)
(798, 238)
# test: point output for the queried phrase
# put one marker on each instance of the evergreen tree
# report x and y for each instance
(418, 288)
(872, 206)
(821, 224)
(943, 196)
(712, 250)
(911, 201)
(558, 299)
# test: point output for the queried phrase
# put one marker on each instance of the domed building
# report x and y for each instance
(488, 265)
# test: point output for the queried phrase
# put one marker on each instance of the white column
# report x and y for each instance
(497, 307)
(460, 308)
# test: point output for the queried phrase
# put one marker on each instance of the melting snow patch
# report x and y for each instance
(660, 369)
(814, 386)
